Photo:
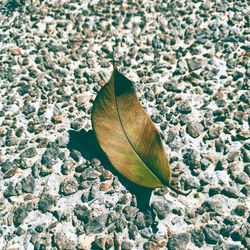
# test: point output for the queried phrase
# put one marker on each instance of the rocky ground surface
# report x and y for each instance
(189, 61)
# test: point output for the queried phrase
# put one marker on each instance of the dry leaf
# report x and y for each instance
(127, 136)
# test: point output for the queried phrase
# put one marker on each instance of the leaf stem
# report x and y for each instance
(178, 191)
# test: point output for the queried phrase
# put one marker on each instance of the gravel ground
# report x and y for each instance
(189, 62)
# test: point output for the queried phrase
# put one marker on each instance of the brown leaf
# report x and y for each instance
(127, 136)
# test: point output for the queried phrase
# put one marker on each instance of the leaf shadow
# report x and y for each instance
(85, 142)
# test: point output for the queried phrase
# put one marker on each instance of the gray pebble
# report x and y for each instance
(46, 203)
(62, 241)
(126, 245)
(28, 184)
(194, 129)
(178, 241)
(230, 192)
(89, 174)
(139, 221)
(82, 213)
(161, 208)
(96, 224)
(192, 183)
(197, 237)
(19, 215)
(29, 153)
(10, 190)
(68, 186)
(184, 108)
(211, 233)
(194, 64)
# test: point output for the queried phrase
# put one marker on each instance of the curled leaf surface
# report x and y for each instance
(127, 136)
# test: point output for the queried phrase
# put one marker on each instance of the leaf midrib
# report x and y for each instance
(123, 129)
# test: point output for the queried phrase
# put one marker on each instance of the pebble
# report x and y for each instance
(82, 213)
(239, 234)
(230, 192)
(194, 129)
(178, 241)
(29, 153)
(10, 190)
(28, 184)
(89, 174)
(140, 221)
(19, 214)
(198, 237)
(62, 240)
(46, 203)
(240, 210)
(194, 64)
(161, 208)
(213, 132)
(96, 224)
(68, 186)
(211, 233)
(184, 108)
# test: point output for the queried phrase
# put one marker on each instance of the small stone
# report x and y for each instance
(132, 231)
(96, 224)
(184, 108)
(213, 132)
(242, 178)
(28, 184)
(104, 186)
(140, 221)
(194, 64)
(161, 208)
(46, 203)
(192, 183)
(197, 237)
(76, 155)
(178, 241)
(247, 169)
(19, 231)
(246, 190)
(57, 119)
(29, 153)
(231, 156)
(11, 141)
(226, 230)
(205, 163)
(10, 172)
(120, 225)
(63, 240)
(19, 215)
(89, 174)
(146, 233)
(98, 243)
(245, 155)
(107, 175)
(240, 210)
(126, 245)
(214, 191)
(194, 129)
(240, 233)
(230, 192)
(82, 213)
(191, 158)
(68, 186)
(212, 205)
(67, 167)
(211, 234)
(10, 190)
(94, 191)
